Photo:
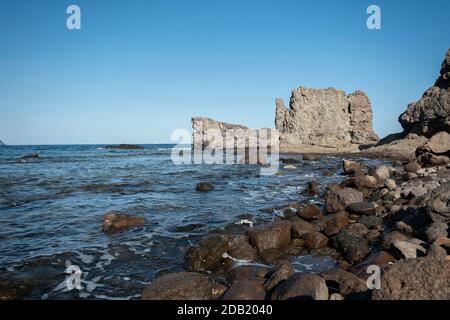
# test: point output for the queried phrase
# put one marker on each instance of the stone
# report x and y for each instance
(431, 114)
(351, 167)
(390, 237)
(14, 289)
(412, 167)
(358, 229)
(347, 282)
(336, 296)
(302, 286)
(283, 272)
(183, 286)
(289, 161)
(439, 143)
(354, 247)
(204, 187)
(300, 227)
(408, 249)
(403, 227)
(324, 119)
(425, 278)
(245, 290)
(436, 231)
(371, 222)
(363, 208)
(311, 157)
(289, 167)
(124, 146)
(29, 157)
(310, 212)
(381, 173)
(116, 222)
(312, 188)
(315, 240)
(438, 204)
(336, 223)
(438, 160)
(247, 272)
(337, 198)
(390, 184)
(365, 182)
(275, 235)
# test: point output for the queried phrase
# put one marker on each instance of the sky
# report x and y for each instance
(139, 69)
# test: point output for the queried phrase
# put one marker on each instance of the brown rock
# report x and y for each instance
(311, 157)
(284, 271)
(204, 187)
(337, 198)
(183, 286)
(352, 167)
(438, 205)
(302, 286)
(310, 212)
(348, 282)
(363, 208)
(300, 226)
(315, 240)
(365, 182)
(245, 290)
(275, 235)
(115, 222)
(412, 167)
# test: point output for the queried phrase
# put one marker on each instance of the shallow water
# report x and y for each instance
(51, 212)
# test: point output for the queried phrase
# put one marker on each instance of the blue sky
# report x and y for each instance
(139, 69)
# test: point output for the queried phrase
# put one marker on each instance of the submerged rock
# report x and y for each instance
(204, 187)
(183, 286)
(116, 222)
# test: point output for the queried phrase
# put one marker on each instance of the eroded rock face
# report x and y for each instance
(431, 113)
(325, 118)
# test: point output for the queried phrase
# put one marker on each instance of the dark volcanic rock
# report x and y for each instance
(348, 282)
(183, 286)
(204, 187)
(354, 247)
(14, 289)
(426, 278)
(28, 157)
(302, 286)
(115, 222)
(338, 198)
(275, 235)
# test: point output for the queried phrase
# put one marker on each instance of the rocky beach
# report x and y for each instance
(343, 206)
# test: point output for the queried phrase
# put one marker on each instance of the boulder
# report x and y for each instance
(348, 283)
(315, 240)
(245, 290)
(204, 187)
(438, 205)
(302, 286)
(354, 247)
(425, 278)
(381, 173)
(116, 222)
(300, 227)
(337, 198)
(436, 230)
(362, 208)
(183, 286)
(283, 272)
(352, 167)
(408, 249)
(310, 212)
(365, 182)
(275, 235)
(311, 157)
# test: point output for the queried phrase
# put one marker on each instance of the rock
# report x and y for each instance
(439, 143)
(204, 187)
(124, 147)
(336, 223)
(290, 167)
(245, 290)
(242, 250)
(371, 222)
(436, 231)
(438, 205)
(438, 160)
(403, 227)
(380, 258)
(408, 249)
(363, 208)
(351, 167)
(289, 161)
(2, 143)
(14, 289)
(358, 229)
(412, 167)
(29, 157)
(275, 235)
(183, 286)
(325, 120)
(302, 286)
(389, 238)
(311, 157)
(431, 114)
(354, 247)
(272, 256)
(381, 173)
(390, 184)
(283, 272)
(373, 235)
(365, 182)
(336, 296)
(116, 222)
(247, 272)
(347, 282)
(426, 278)
(337, 198)
(310, 212)
(312, 188)
(315, 240)
(208, 254)
(300, 227)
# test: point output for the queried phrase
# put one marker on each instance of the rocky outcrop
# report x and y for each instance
(428, 118)
(320, 120)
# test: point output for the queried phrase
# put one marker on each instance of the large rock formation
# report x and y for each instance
(428, 117)
(324, 120)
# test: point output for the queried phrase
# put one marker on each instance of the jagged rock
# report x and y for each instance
(2, 144)
(183, 286)
(302, 286)
(425, 278)
(362, 208)
(438, 205)
(409, 249)
(354, 247)
(351, 167)
(431, 113)
(324, 119)
(116, 222)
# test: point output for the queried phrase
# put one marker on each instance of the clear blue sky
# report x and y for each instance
(139, 69)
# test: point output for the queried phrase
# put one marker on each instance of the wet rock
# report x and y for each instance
(284, 271)
(371, 222)
(311, 157)
(204, 187)
(438, 205)
(348, 283)
(183, 286)
(289, 167)
(242, 250)
(300, 227)
(336, 223)
(357, 229)
(389, 238)
(248, 272)
(373, 235)
(336, 296)
(381, 258)
(116, 222)
(302, 286)
(310, 212)
(272, 256)
(408, 249)
(245, 290)
(275, 235)
(352, 167)
(315, 240)
(28, 157)
(412, 167)
(354, 247)
(426, 278)
(363, 208)
(338, 198)
(14, 289)
(436, 231)
(312, 188)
